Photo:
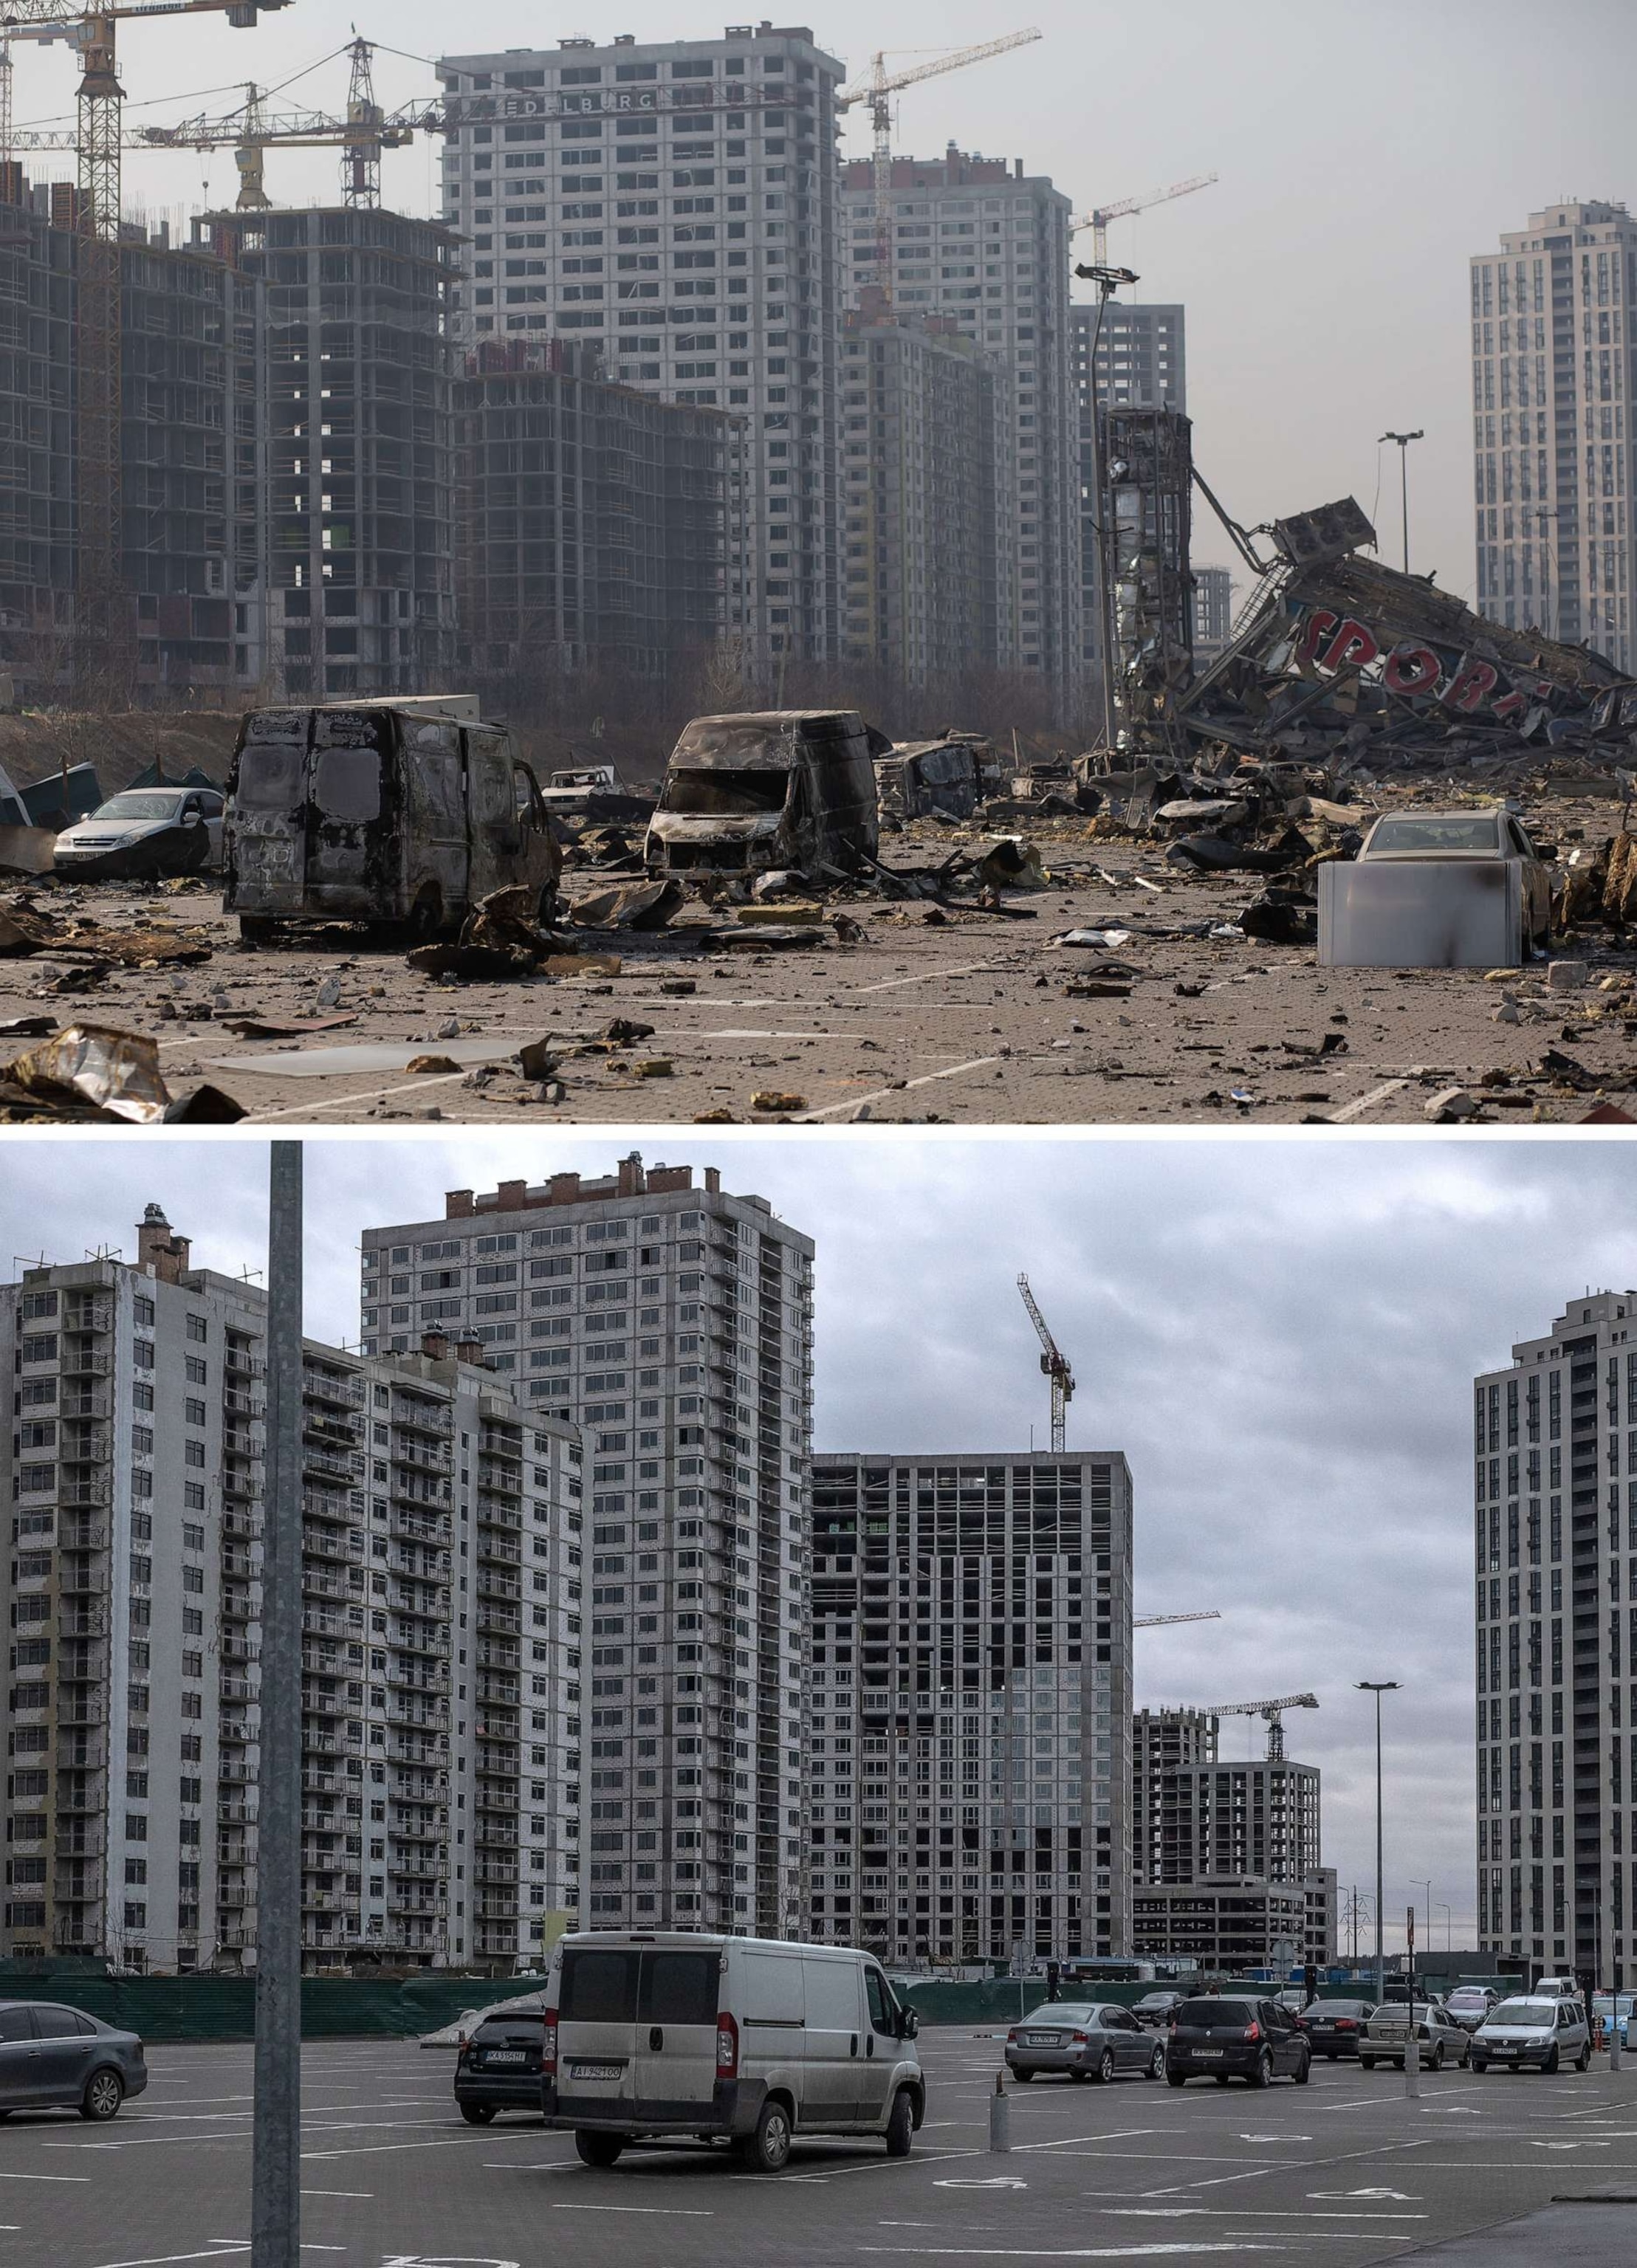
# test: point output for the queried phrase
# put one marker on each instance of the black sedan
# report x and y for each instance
(1222, 2038)
(1155, 2009)
(1334, 2027)
(58, 2059)
(498, 2066)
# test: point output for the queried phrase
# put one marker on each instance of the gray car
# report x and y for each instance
(57, 2058)
(1083, 2039)
(1439, 2038)
(1547, 2033)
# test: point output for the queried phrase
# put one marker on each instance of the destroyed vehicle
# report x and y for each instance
(926, 776)
(145, 831)
(407, 813)
(783, 789)
(1458, 889)
(576, 790)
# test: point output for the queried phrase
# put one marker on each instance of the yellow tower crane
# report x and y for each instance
(1098, 219)
(875, 89)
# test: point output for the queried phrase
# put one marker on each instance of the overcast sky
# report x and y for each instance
(1280, 1336)
(1365, 154)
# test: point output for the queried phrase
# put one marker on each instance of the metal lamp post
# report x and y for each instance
(1404, 441)
(1386, 1685)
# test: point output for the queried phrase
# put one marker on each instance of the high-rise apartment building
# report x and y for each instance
(440, 1635)
(1219, 1818)
(971, 1726)
(1555, 1491)
(1213, 612)
(918, 403)
(673, 1325)
(1163, 1741)
(982, 243)
(1554, 376)
(677, 201)
(1140, 355)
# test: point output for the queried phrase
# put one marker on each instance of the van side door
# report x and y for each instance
(436, 852)
(881, 2047)
(832, 2039)
(496, 831)
(676, 2009)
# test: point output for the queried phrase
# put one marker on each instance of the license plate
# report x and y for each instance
(1203, 2053)
(507, 2055)
(596, 2070)
(1503, 2050)
(1041, 2040)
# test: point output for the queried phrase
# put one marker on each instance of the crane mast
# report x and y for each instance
(1054, 1364)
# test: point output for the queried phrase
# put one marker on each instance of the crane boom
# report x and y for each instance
(1098, 219)
(1272, 1714)
(1154, 1622)
(874, 89)
(1054, 1364)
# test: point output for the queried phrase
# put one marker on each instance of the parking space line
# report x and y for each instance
(877, 1095)
(665, 2211)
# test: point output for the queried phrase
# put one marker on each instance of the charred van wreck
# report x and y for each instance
(782, 788)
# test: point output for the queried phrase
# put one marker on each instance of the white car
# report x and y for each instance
(145, 831)
(1542, 2030)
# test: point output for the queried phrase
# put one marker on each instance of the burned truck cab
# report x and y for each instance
(402, 812)
(776, 789)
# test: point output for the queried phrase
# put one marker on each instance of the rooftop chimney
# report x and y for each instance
(159, 1248)
(471, 1350)
(435, 1346)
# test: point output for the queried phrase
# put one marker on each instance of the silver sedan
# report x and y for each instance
(1085, 2040)
(1439, 2038)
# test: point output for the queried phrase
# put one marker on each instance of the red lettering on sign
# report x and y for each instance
(1353, 645)
(1318, 623)
(1412, 668)
(1473, 681)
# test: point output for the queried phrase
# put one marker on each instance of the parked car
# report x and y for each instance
(145, 831)
(1541, 2030)
(657, 2039)
(498, 2068)
(1157, 2008)
(1082, 2039)
(1469, 2004)
(53, 2058)
(1222, 2038)
(1609, 2008)
(1556, 1988)
(1438, 889)
(1386, 2036)
(1334, 2027)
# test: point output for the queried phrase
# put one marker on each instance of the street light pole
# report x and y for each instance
(1404, 441)
(1449, 1926)
(1386, 1685)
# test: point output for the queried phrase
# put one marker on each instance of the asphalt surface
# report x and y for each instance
(1345, 2169)
(974, 1018)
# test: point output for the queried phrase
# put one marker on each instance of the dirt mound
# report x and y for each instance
(32, 747)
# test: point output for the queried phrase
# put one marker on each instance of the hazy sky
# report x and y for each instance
(1280, 1334)
(1365, 153)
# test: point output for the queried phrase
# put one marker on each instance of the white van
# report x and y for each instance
(659, 2036)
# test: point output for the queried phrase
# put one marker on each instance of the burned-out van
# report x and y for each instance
(406, 812)
(779, 788)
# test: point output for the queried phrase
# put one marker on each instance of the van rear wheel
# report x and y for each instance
(598, 2149)
(900, 2125)
(767, 2150)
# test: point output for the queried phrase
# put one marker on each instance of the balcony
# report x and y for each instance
(422, 1527)
(96, 1488)
(330, 1464)
(239, 1403)
(331, 1544)
(81, 1360)
(316, 1583)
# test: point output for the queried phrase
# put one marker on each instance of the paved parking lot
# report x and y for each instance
(1344, 2169)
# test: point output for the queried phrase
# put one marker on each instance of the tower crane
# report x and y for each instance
(1055, 1367)
(1098, 219)
(874, 89)
(1272, 1714)
(1154, 1622)
(92, 29)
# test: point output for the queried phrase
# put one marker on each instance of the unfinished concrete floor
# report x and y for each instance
(970, 1020)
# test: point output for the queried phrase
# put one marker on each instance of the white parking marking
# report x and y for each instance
(892, 984)
(665, 2211)
(45, 2178)
(927, 1078)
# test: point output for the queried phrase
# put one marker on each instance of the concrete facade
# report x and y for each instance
(1555, 1498)
(1555, 378)
(677, 200)
(1163, 1741)
(1225, 1818)
(918, 483)
(977, 240)
(971, 1723)
(1231, 1923)
(674, 1326)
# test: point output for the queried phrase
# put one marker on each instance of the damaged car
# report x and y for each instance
(1437, 889)
(407, 813)
(921, 776)
(145, 832)
(779, 790)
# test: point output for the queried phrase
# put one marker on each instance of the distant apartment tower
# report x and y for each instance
(1554, 373)
(969, 1759)
(356, 443)
(1163, 1740)
(192, 524)
(677, 201)
(1555, 1491)
(1129, 355)
(674, 1325)
(1214, 614)
(918, 406)
(1223, 1817)
(439, 1666)
(983, 244)
(591, 518)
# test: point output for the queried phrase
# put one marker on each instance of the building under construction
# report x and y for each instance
(591, 518)
(191, 523)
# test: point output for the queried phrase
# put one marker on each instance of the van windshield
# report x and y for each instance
(726, 794)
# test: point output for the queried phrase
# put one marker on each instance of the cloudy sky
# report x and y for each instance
(1279, 1334)
(1365, 153)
